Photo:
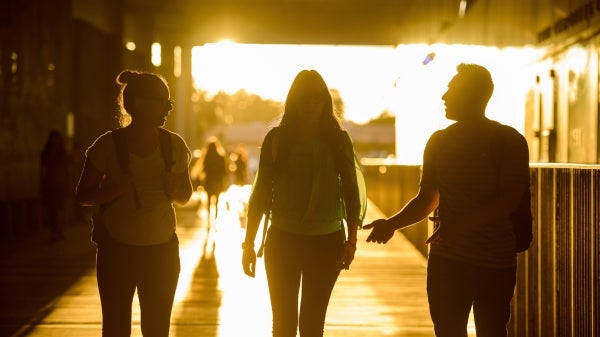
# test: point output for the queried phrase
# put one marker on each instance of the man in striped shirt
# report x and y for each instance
(475, 187)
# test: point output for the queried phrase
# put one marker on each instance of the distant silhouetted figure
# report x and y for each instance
(307, 183)
(133, 175)
(240, 166)
(55, 184)
(472, 258)
(214, 174)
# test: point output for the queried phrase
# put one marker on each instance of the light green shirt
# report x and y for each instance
(307, 195)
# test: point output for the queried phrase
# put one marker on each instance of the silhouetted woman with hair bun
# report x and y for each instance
(133, 175)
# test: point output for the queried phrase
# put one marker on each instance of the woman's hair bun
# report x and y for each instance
(126, 76)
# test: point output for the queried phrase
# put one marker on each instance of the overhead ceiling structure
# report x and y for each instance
(342, 22)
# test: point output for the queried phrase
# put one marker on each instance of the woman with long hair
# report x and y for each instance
(306, 183)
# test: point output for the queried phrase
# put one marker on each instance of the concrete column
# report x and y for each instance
(182, 93)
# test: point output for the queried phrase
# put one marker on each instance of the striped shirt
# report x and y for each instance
(459, 162)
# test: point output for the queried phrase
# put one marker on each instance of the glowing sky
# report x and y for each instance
(364, 75)
(373, 79)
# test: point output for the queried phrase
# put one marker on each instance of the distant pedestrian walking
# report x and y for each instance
(55, 184)
(240, 166)
(215, 175)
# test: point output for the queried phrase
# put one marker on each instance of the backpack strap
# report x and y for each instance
(121, 149)
(521, 218)
(496, 143)
(348, 166)
(120, 142)
(166, 149)
(267, 214)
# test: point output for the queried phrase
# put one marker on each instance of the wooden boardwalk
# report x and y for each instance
(50, 289)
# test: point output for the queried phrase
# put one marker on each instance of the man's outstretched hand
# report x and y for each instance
(382, 231)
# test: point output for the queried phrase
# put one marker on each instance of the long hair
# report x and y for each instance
(213, 148)
(306, 83)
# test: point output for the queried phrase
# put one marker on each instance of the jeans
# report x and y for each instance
(153, 270)
(454, 287)
(292, 261)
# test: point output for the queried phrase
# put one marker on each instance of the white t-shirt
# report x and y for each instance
(153, 222)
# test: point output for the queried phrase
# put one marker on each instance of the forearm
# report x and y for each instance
(178, 187)
(252, 225)
(258, 203)
(92, 195)
(181, 195)
(352, 232)
(353, 209)
(414, 211)
(180, 198)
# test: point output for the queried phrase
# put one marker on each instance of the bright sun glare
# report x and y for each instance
(372, 79)
(363, 75)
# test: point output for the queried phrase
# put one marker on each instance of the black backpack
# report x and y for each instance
(521, 218)
(99, 231)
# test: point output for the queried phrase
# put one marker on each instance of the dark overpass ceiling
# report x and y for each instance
(344, 22)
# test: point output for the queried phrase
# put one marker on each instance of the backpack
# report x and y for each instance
(99, 231)
(521, 218)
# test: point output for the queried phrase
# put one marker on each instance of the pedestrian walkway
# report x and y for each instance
(383, 293)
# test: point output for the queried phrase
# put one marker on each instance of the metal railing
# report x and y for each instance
(558, 279)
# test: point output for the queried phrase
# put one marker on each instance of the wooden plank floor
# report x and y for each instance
(50, 289)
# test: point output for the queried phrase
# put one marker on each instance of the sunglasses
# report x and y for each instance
(167, 102)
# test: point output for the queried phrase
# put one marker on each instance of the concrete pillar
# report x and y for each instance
(181, 90)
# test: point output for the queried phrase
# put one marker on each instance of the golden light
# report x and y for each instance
(177, 61)
(70, 121)
(373, 79)
(363, 75)
(156, 56)
(226, 41)
(190, 256)
(462, 8)
(13, 66)
(418, 105)
(130, 45)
